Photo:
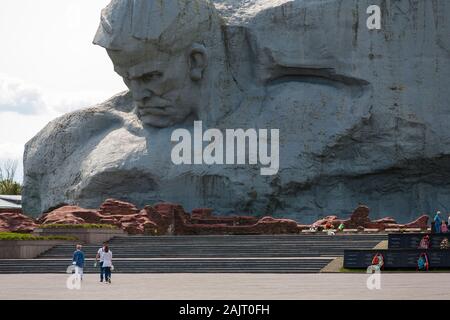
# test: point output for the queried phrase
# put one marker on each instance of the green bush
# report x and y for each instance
(78, 226)
(10, 187)
(27, 236)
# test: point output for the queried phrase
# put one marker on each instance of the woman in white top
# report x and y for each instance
(107, 264)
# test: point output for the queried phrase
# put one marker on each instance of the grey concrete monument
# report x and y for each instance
(362, 114)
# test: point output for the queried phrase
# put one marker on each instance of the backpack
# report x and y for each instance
(422, 262)
(444, 244)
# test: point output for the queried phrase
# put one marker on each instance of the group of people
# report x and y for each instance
(439, 225)
(103, 260)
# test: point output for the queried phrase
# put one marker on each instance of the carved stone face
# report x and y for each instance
(164, 87)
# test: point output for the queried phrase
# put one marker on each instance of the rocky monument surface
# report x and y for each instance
(362, 114)
(171, 219)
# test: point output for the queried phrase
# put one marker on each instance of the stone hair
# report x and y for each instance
(170, 25)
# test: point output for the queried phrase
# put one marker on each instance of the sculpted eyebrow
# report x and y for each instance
(281, 73)
(146, 74)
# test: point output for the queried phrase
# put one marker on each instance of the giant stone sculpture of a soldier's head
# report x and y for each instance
(359, 110)
(161, 49)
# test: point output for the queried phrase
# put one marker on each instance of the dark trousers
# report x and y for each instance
(102, 272)
(107, 271)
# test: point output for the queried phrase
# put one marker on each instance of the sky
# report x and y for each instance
(48, 66)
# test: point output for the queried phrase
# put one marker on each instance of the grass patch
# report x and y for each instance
(27, 236)
(78, 226)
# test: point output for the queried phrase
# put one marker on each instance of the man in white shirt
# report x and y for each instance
(107, 263)
(99, 257)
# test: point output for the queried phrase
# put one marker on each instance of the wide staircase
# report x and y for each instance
(205, 254)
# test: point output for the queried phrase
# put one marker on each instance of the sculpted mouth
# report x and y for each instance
(154, 110)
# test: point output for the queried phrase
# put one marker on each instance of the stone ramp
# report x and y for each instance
(206, 254)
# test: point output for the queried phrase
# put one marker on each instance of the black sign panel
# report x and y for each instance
(396, 258)
(412, 240)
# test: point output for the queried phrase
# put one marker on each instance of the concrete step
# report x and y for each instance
(124, 256)
(227, 246)
(175, 265)
(205, 254)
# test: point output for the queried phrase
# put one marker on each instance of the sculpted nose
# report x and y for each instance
(139, 91)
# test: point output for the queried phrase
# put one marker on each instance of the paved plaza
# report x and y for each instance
(227, 286)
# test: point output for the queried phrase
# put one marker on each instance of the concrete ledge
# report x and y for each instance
(413, 230)
(371, 230)
(350, 230)
(85, 236)
(345, 231)
(27, 249)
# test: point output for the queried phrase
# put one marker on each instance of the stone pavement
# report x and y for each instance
(228, 286)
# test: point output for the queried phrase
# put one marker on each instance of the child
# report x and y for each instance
(444, 228)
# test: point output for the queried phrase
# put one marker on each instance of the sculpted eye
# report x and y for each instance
(151, 76)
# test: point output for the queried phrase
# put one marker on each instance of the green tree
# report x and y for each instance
(8, 185)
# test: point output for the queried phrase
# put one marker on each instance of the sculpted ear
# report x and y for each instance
(198, 61)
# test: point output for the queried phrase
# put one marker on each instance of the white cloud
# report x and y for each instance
(63, 102)
(15, 130)
(10, 150)
(24, 98)
(17, 96)
(49, 66)
(25, 109)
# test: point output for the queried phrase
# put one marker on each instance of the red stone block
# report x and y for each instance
(201, 213)
(421, 222)
(116, 207)
(16, 222)
(169, 218)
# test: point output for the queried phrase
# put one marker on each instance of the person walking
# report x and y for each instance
(99, 257)
(107, 263)
(78, 261)
(437, 222)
